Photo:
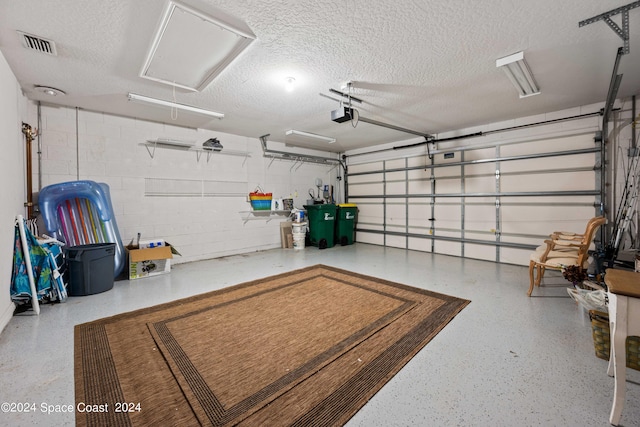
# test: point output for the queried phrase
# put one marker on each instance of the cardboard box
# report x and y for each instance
(286, 236)
(149, 262)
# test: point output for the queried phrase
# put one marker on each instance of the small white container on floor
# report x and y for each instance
(298, 240)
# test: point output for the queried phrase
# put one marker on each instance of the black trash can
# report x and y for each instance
(90, 268)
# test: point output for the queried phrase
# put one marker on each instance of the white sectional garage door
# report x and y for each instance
(491, 202)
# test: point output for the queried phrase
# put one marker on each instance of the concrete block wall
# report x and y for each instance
(12, 176)
(78, 144)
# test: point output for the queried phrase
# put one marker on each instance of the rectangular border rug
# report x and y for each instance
(307, 347)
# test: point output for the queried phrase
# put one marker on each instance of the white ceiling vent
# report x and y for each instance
(191, 48)
(38, 43)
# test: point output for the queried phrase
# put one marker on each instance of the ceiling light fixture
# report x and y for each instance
(154, 101)
(290, 84)
(48, 90)
(311, 135)
(519, 73)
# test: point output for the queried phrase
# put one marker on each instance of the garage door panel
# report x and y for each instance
(480, 185)
(448, 248)
(448, 186)
(487, 253)
(480, 217)
(416, 244)
(501, 199)
(549, 163)
(550, 145)
(543, 219)
(419, 187)
(542, 182)
(444, 172)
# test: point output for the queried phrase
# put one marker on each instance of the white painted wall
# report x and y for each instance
(12, 176)
(106, 148)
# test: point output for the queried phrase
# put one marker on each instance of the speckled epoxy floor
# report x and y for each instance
(505, 360)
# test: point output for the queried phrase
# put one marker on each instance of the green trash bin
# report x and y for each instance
(322, 220)
(346, 223)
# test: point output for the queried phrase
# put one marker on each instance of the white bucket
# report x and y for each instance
(299, 227)
(298, 240)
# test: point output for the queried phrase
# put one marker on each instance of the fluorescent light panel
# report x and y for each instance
(519, 73)
(191, 48)
(311, 135)
(155, 101)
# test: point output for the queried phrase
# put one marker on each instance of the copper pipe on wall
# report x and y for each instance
(30, 135)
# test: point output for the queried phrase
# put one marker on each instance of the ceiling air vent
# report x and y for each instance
(38, 43)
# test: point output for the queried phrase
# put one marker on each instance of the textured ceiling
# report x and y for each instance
(423, 65)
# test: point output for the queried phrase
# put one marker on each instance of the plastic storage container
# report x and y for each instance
(90, 268)
(347, 217)
(322, 220)
(260, 201)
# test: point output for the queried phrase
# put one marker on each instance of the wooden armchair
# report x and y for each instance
(559, 253)
(564, 238)
(569, 235)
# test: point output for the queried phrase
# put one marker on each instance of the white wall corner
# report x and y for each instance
(6, 315)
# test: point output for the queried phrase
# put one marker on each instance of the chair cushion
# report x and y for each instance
(556, 261)
(562, 249)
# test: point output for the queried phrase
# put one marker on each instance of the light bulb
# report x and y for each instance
(290, 84)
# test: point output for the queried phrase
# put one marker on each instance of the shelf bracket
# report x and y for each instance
(151, 152)
(297, 163)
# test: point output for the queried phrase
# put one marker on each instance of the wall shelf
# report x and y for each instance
(264, 215)
(171, 144)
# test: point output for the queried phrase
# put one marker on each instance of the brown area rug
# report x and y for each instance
(308, 347)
